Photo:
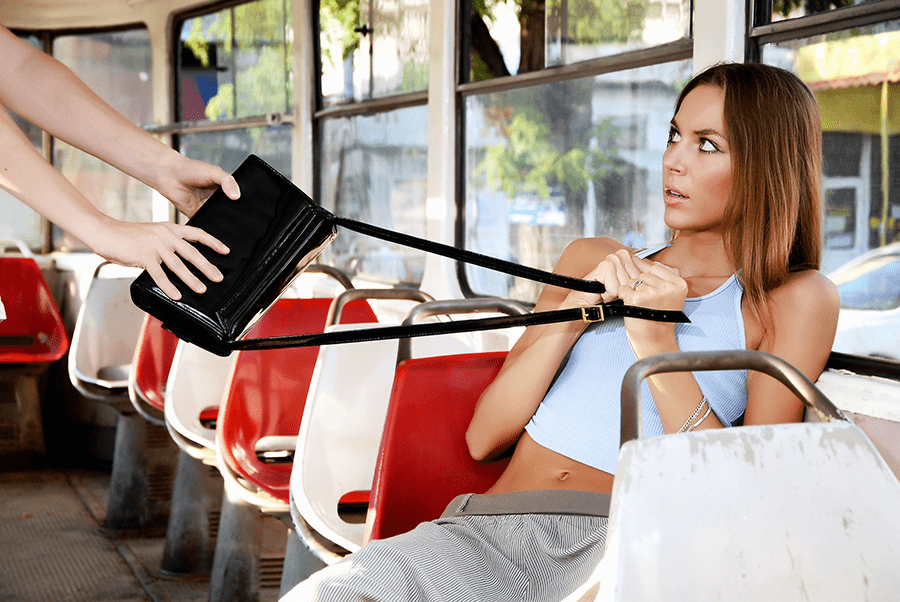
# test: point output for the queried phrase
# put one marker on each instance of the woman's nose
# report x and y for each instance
(673, 159)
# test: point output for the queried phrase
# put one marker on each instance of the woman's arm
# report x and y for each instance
(25, 174)
(804, 315)
(508, 403)
(42, 90)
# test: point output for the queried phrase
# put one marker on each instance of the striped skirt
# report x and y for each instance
(532, 545)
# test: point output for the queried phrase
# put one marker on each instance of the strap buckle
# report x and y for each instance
(592, 313)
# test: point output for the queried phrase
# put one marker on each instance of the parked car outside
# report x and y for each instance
(869, 286)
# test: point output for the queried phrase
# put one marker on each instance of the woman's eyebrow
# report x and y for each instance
(708, 132)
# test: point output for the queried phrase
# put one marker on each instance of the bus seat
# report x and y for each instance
(100, 363)
(258, 421)
(150, 370)
(423, 462)
(342, 428)
(757, 512)
(33, 332)
(267, 391)
(766, 512)
(194, 388)
(339, 435)
(105, 337)
(31, 338)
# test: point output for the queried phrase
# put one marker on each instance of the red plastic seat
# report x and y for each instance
(423, 462)
(33, 331)
(267, 390)
(151, 365)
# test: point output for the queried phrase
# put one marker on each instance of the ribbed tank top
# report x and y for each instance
(580, 415)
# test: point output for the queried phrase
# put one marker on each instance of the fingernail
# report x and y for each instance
(217, 277)
(201, 288)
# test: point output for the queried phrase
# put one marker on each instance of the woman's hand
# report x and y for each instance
(187, 183)
(149, 245)
(641, 283)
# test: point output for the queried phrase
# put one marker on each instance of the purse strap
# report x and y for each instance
(485, 261)
(591, 313)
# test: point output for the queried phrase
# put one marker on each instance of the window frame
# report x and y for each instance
(682, 49)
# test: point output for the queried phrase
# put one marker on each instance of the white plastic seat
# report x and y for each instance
(340, 433)
(784, 512)
(806, 511)
(99, 365)
(105, 337)
(196, 383)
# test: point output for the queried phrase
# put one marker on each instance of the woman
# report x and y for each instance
(45, 92)
(741, 177)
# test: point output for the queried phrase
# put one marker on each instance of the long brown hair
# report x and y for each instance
(774, 216)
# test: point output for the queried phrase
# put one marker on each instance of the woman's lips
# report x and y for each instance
(673, 196)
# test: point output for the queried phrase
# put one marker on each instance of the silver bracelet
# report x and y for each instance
(693, 417)
(696, 424)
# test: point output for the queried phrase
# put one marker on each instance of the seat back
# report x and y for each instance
(338, 441)
(754, 513)
(151, 365)
(33, 331)
(267, 390)
(106, 335)
(194, 390)
(424, 462)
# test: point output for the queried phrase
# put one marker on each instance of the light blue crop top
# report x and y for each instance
(580, 415)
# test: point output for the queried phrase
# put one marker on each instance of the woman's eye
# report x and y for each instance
(708, 147)
(674, 135)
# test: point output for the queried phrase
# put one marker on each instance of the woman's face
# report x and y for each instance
(697, 163)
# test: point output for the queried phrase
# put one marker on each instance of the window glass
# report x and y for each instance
(116, 65)
(510, 37)
(373, 169)
(790, 9)
(235, 62)
(872, 284)
(228, 149)
(372, 49)
(17, 220)
(556, 162)
(853, 76)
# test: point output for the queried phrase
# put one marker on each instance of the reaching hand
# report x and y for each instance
(187, 183)
(148, 245)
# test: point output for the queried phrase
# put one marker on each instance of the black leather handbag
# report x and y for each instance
(274, 231)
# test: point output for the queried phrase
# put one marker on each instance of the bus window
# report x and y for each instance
(235, 62)
(116, 65)
(373, 169)
(548, 164)
(510, 37)
(853, 75)
(372, 49)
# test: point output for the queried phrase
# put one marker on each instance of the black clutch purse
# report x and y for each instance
(274, 231)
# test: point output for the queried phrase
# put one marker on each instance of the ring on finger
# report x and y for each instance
(637, 284)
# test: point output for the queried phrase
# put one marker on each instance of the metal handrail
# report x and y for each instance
(337, 306)
(456, 306)
(693, 361)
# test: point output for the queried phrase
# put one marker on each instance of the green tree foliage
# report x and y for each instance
(550, 140)
(255, 41)
(338, 20)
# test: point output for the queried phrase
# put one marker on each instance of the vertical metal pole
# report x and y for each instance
(885, 164)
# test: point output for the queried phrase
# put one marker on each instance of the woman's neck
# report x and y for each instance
(698, 256)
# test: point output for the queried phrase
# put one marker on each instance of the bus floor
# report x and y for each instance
(52, 547)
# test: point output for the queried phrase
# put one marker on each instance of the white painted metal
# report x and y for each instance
(719, 27)
(804, 511)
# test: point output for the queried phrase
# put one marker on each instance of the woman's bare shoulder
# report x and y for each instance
(584, 254)
(806, 289)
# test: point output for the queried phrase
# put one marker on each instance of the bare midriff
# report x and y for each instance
(534, 467)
